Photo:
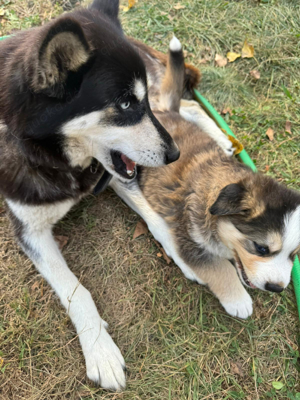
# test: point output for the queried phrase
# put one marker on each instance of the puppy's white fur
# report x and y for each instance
(191, 111)
(175, 44)
(237, 304)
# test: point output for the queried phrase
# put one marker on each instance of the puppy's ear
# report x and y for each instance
(108, 7)
(229, 201)
(63, 50)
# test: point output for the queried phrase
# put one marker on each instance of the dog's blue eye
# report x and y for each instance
(262, 250)
(125, 105)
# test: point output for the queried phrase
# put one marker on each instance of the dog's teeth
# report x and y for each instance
(130, 173)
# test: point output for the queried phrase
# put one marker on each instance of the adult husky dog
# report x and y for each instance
(73, 102)
(224, 225)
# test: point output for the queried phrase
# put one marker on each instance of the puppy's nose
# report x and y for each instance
(272, 287)
(172, 155)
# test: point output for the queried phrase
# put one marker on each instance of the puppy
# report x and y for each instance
(74, 110)
(224, 225)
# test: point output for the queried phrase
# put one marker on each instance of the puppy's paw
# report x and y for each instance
(226, 145)
(240, 307)
(105, 364)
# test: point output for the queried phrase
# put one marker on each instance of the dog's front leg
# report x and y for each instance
(222, 279)
(104, 362)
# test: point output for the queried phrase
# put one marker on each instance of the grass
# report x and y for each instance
(177, 340)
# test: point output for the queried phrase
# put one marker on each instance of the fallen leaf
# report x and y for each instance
(226, 110)
(220, 60)
(2, 12)
(140, 229)
(236, 368)
(232, 56)
(166, 258)
(35, 285)
(61, 241)
(247, 50)
(236, 144)
(159, 255)
(131, 4)
(255, 74)
(179, 6)
(270, 133)
(2, 210)
(288, 128)
(267, 168)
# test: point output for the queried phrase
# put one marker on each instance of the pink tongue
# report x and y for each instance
(129, 163)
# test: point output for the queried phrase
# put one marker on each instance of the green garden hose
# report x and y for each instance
(245, 158)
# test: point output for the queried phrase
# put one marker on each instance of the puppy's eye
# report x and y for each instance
(125, 105)
(262, 250)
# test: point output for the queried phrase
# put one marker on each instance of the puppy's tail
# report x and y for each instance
(173, 82)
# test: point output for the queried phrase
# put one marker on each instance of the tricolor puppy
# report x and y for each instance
(73, 102)
(224, 226)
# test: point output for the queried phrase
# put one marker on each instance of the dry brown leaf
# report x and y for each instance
(226, 110)
(166, 258)
(205, 59)
(131, 4)
(288, 128)
(35, 285)
(61, 241)
(236, 368)
(267, 168)
(255, 74)
(220, 60)
(179, 6)
(236, 144)
(2, 210)
(159, 255)
(232, 56)
(270, 133)
(140, 229)
(247, 50)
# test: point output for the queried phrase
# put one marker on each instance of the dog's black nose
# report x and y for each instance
(272, 287)
(172, 155)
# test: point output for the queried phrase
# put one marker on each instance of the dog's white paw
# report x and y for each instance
(226, 145)
(105, 364)
(241, 308)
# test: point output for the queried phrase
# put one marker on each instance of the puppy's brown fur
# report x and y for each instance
(223, 224)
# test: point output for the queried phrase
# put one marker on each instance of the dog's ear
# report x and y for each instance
(63, 50)
(108, 7)
(229, 201)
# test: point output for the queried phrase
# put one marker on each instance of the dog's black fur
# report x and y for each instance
(34, 167)
(73, 108)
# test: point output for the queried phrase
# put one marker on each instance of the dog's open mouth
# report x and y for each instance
(123, 164)
(242, 272)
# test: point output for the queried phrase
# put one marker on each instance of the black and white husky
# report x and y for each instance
(73, 103)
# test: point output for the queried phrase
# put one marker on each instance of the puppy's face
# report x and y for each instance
(90, 99)
(262, 230)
